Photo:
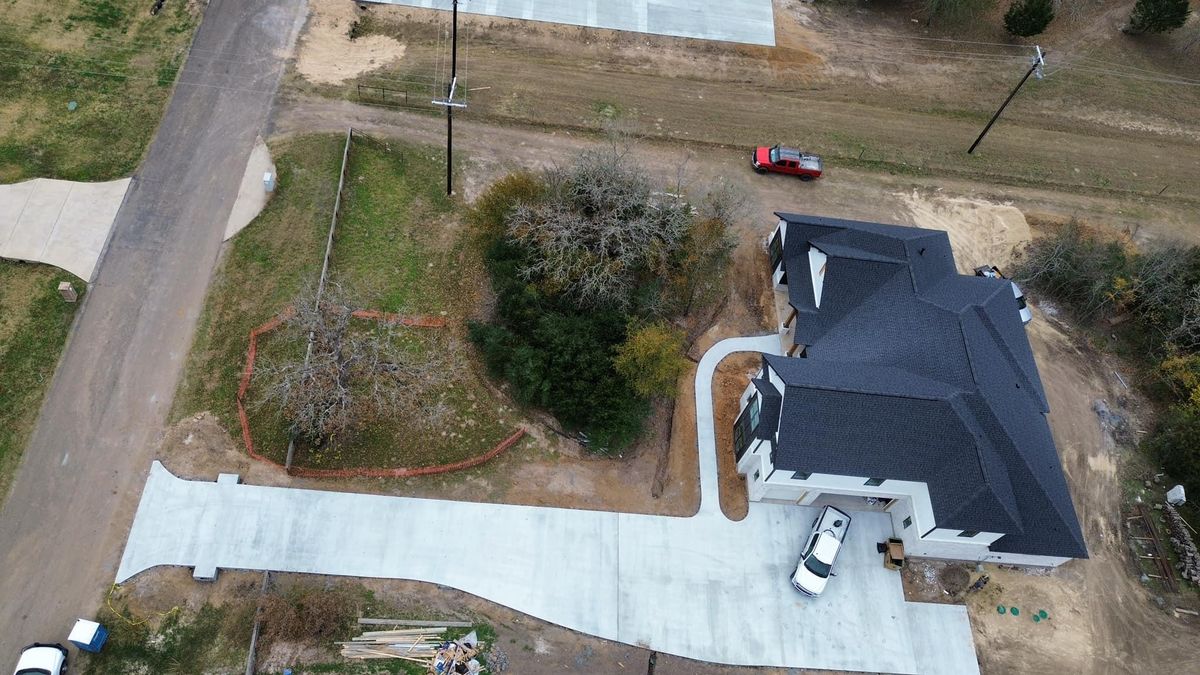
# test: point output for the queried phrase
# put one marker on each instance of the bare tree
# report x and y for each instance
(600, 223)
(355, 371)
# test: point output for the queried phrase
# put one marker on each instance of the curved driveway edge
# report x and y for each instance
(703, 587)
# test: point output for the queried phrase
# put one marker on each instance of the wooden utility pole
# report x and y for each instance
(1039, 60)
(449, 103)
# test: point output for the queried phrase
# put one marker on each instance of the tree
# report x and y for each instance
(1026, 18)
(652, 359)
(340, 373)
(599, 226)
(1157, 16)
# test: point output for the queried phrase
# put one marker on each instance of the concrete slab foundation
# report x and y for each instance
(252, 194)
(62, 223)
(746, 21)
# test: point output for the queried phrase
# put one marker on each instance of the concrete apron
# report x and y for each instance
(703, 587)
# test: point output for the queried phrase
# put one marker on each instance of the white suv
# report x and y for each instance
(42, 659)
(816, 563)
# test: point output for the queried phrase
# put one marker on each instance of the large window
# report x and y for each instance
(776, 249)
(746, 425)
(874, 481)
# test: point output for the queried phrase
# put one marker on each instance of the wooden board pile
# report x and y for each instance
(1181, 539)
(425, 644)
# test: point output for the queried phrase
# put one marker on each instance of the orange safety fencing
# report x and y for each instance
(360, 472)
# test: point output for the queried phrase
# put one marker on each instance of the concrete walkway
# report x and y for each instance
(59, 222)
(702, 587)
(747, 21)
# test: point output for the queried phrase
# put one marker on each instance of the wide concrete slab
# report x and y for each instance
(63, 223)
(703, 587)
(747, 21)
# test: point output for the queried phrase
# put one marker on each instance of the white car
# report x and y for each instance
(42, 659)
(993, 272)
(824, 543)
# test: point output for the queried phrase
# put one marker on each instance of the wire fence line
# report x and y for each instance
(337, 206)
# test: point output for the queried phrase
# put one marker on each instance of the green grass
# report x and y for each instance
(111, 58)
(184, 642)
(34, 321)
(264, 268)
(398, 248)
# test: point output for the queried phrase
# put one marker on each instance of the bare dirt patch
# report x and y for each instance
(981, 232)
(327, 55)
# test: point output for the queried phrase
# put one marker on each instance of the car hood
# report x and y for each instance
(809, 581)
(762, 155)
(48, 659)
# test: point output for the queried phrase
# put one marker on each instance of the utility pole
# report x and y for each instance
(1039, 60)
(449, 103)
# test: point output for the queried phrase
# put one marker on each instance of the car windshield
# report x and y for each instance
(816, 567)
(774, 154)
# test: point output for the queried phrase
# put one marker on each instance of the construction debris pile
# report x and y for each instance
(425, 644)
(1181, 539)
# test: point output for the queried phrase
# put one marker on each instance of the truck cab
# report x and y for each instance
(780, 159)
(42, 659)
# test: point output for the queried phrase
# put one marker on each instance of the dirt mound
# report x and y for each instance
(954, 579)
(327, 55)
(981, 232)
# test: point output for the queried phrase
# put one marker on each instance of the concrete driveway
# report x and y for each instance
(702, 587)
(60, 222)
(747, 21)
(74, 494)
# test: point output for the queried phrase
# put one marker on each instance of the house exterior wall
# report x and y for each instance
(922, 538)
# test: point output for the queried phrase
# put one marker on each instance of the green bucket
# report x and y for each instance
(1014, 611)
(1042, 614)
(999, 609)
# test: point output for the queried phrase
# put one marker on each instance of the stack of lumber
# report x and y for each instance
(422, 642)
(419, 645)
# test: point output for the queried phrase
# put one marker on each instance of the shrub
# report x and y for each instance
(1176, 444)
(307, 615)
(1026, 18)
(1077, 268)
(1157, 16)
(652, 360)
(493, 208)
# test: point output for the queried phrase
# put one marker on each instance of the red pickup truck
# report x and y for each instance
(779, 159)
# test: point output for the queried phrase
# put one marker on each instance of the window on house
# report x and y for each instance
(907, 522)
(875, 481)
(757, 474)
(746, 425)
(967, 533)
(776, 249)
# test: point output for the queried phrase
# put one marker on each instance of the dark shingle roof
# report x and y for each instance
(915, 372)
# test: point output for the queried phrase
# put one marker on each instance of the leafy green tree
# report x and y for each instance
(1026, 18)
(652, 359)
(1157, 16)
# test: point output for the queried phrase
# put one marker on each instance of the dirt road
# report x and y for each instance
(493, 150)
(73, 497)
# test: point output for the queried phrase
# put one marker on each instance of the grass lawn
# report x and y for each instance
(111, 58)
(398, 248)
(34, 322)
